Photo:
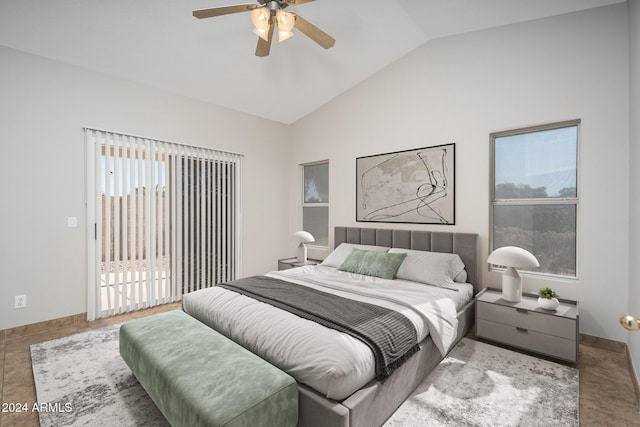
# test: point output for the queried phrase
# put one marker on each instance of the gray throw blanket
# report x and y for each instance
(390, 335)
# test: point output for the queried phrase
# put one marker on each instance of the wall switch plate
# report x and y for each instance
(72, 222)
(21, 301)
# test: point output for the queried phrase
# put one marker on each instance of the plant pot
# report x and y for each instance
(548, 303)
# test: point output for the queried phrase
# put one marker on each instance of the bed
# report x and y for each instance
(341, 381)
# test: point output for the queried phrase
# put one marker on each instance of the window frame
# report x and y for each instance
(535, 201)
(304, 204)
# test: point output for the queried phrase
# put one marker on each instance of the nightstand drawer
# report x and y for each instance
(527, 319)
(528, 339)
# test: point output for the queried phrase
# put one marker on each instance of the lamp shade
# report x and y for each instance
(303, 237)
(513, 256)
(286, 20)
(260, 17)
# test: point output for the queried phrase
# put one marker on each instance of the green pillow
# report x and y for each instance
(373, 263)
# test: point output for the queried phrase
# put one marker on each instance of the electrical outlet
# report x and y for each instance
(21, 301)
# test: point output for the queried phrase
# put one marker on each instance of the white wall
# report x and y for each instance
(634, 217)
(460, 89)
(43, 106)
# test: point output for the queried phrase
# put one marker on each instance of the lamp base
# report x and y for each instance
(511, 285)
(302, 254)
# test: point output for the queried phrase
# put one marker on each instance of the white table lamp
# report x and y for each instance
(302, 237)
(512, 257)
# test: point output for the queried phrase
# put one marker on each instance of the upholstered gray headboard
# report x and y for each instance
(463, 244)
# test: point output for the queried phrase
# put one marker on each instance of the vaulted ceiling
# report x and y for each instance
(160, 43)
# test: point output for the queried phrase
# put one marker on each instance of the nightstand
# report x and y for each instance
(525, 325)
(287, 263)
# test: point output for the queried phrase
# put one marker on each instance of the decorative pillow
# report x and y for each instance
(372, 263)
(337, 257)
(433, 268)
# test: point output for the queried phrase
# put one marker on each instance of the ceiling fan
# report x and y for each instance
(266, 16)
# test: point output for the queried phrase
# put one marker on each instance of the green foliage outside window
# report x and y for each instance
(535, 195)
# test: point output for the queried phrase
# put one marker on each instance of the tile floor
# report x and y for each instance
(606, 392)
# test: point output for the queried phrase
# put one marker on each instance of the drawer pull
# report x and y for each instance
(522, 330)
(522, 310)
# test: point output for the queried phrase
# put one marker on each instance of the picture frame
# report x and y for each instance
(412, 186)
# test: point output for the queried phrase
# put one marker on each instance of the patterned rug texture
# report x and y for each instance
(85, 375)
(476, 385)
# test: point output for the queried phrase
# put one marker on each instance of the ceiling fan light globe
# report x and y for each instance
(262, 33)
(284, 35)
(286, 21)
(260, 17)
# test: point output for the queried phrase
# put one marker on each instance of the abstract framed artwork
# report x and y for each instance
(412, 186)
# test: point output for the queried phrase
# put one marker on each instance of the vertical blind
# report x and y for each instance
(165, 220)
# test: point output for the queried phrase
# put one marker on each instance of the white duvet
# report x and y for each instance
(331, 362)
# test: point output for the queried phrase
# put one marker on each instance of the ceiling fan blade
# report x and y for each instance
(225, 10)
(264, 47)
(313, 32)
(297, 2)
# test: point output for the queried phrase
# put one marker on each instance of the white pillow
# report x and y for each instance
(339, 254)
(461, 277)
(433, 268)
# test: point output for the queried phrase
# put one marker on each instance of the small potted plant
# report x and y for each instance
(548, 299)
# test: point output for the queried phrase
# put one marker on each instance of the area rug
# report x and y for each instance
(83, 381)
(478, 384)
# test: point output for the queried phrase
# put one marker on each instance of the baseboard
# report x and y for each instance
(634, 377)
(34, 328)
(603, 343)
(75, 319)
(617, 347)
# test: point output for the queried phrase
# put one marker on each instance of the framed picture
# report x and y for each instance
(412, 186)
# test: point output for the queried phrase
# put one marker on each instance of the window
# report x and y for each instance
(315, 201)
(535, 194)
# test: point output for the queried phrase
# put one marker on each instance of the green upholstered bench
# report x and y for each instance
(198, 377)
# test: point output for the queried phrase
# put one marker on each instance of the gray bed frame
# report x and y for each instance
(374, 403)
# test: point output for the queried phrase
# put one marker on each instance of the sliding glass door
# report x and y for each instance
(165, 220)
